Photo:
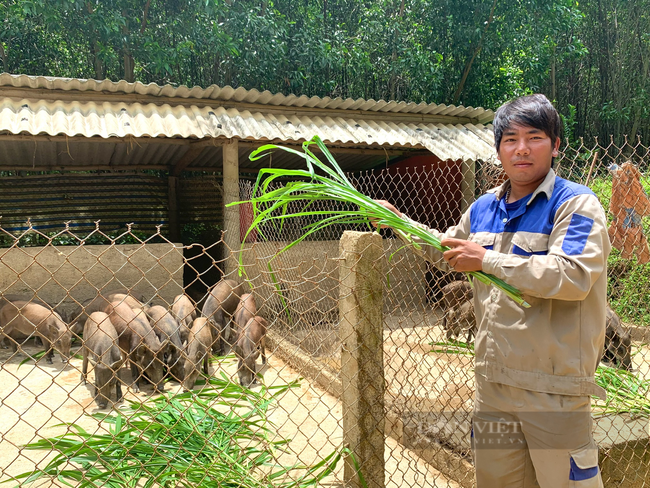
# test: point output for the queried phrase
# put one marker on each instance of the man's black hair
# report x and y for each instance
(533, 111)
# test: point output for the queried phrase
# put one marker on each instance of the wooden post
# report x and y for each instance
(174, 228)
(231, 214)
(362, 274)
(467, 183)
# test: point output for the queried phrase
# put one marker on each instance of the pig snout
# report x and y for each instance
(154, 369)
(191, 374)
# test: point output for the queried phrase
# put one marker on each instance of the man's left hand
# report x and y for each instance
(463, 255)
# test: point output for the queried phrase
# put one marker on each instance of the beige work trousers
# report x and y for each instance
(523, 438)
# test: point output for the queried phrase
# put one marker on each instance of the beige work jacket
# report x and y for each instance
(553, 246)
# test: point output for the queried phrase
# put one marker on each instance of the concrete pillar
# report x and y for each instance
(467, 183)
(362, 274)
(231, 214)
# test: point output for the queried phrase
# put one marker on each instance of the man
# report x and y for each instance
(534, 366)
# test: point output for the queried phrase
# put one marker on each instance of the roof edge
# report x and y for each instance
(242, 95)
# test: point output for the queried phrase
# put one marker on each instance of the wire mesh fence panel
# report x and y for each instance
(168, 339)
(428, 318)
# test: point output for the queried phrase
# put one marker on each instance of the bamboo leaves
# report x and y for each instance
(327, 182)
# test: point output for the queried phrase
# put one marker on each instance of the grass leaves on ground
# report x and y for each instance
(626, 392)
(216, 436)
(326, 182)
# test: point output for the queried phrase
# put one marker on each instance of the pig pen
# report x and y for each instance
(38, 397)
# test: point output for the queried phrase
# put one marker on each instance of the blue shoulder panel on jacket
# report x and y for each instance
(487, 216)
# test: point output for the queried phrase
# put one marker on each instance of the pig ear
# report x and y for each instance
(54, 330)
(116, 365)
(140, 351)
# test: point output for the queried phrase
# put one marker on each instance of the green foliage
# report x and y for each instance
(626, 392)
(217, 436)
(36, 238)
(591, 57)
(381, 49)
(452, 346)
(201, 233)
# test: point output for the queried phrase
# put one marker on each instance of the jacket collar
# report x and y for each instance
(546, 186)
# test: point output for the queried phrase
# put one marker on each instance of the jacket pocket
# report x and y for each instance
(485, 239)
(529, 244)
(584, 468)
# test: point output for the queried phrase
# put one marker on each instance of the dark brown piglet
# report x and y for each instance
(218, 308)
(167, 329)
(618, 343)
(140, 344)
(251, 342)
(197, 352)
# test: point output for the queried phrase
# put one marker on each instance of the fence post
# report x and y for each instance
(231, 214)
(467, 183)
(362, 272)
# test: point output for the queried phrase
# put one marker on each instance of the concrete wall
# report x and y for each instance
(308, 275)
(61, 275)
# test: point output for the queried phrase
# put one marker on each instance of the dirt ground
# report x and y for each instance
(37, 397)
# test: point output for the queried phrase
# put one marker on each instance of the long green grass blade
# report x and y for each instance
(327, 182)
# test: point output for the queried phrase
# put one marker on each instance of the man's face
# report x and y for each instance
(526, 154)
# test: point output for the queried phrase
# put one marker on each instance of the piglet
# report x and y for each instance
(196, 352)
(246, 310)
(30, 318)
(100, 346)
(618, 343)
(167, 329)
(184, 312)
(219, 307)
(251, 341)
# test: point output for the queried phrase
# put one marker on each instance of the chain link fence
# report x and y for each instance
(399, 394)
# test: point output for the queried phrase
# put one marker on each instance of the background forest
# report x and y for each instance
(591, 57)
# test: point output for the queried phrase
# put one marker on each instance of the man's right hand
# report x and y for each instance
(390, 207)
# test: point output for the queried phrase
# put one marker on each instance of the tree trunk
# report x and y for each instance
(144, 16)
(603, 66)
(97, 62)
(476, 52)
(129, 74)
(392, 84)
(553, 87)
(637, 112)
(129, 66)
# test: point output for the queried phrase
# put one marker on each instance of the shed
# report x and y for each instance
(69, 127)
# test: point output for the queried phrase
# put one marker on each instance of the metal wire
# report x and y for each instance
(427, 401)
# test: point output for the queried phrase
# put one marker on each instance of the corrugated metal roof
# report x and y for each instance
(241, 95)
(106, 120)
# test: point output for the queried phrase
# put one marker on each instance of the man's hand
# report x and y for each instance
(463, 255)
(390, 207)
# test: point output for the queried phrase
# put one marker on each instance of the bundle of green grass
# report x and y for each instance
(327, 182)
(216, 436)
